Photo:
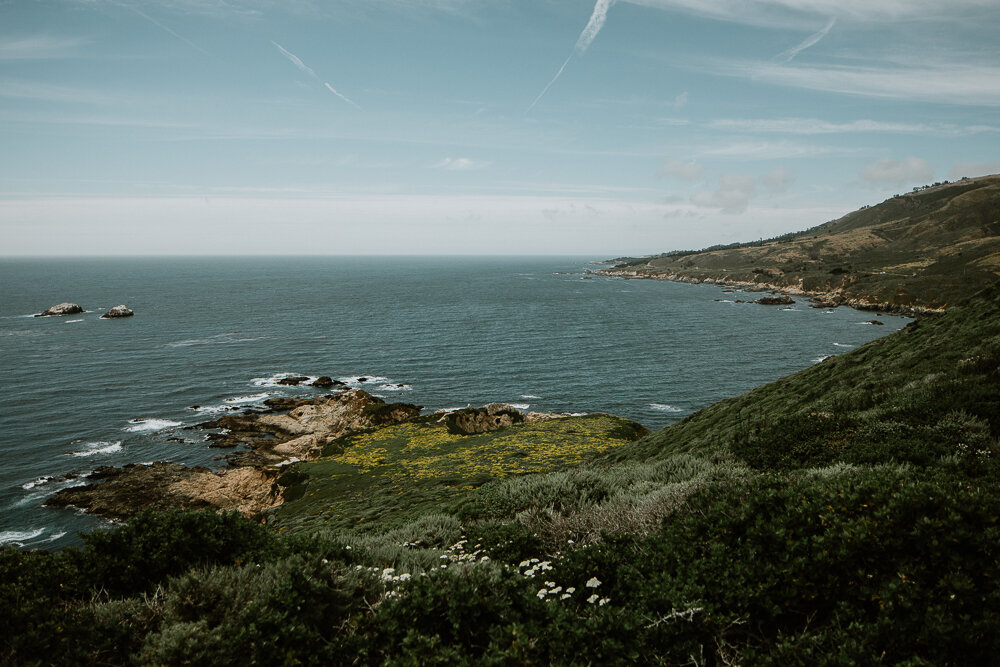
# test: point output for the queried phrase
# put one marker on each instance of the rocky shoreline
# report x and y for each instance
(286, 431)
(821, 299)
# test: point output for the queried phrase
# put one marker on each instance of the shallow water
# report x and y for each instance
(217, 333)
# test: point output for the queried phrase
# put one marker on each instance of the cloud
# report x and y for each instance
(972, 169)
(38, 47)
(962, 83)
(459, 164)
(763, 150)
(798, 13)
(776, 181)
(897, 172)
(685, 171)
(787, 56)
(680, 101)
(295, 60)
(732, 196)
(583, 42)
(818, 126)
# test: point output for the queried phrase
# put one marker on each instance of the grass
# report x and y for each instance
(393, 474)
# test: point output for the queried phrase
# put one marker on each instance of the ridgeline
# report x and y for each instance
(846, 514)
(923, 250)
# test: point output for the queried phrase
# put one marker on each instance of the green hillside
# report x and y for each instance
(929, 248)
(848, 514)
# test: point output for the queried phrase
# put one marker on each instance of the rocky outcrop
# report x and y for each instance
(271, 439)
(121, 492)
(775, 300)
(118, 311)
(293, 381)
(469, 421)
(325, 381)
(65, 308)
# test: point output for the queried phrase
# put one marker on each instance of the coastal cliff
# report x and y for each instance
(912, 254)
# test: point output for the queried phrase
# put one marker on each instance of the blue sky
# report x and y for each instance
(462, 126)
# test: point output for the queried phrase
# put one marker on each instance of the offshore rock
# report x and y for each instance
(65, 308)
(469, 421)
(293, 381)
(775, 300)
(324, 381)
(118, 311)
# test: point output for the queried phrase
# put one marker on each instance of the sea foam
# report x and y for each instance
(663, 407)
(19, 537)
(99, 447)
(142, 425)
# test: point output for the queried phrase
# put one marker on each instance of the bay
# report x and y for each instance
(443, 332)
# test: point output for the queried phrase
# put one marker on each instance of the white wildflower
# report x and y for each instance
(603, 602)
(593, 598)
(594, 582)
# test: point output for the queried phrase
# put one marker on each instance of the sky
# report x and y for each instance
(604, 128)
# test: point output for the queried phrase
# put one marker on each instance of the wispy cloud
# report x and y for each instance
(38, 47)
(798, 13)
(898, 172)
(583, 42)
(295, 60)
(787, 56)
(460, 164)
(43, 92)
(971, 169)
(736, 190)
(685, 171)
(819, 126)
(961, 83)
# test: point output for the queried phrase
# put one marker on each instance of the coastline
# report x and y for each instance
(822, 298)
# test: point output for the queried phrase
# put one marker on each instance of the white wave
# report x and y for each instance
(142, 425)
(520, 406)
(819, 360)
(529, 396)
(100, 447)
(224, 338)
(843, 345)
(440, 410)
(364, 380)
(255, 398)
(44, 479)
(19, 536)
(577, 414)
(395, 387)
(212, 409)
(663, 407)
(71, 321)
(272, 380)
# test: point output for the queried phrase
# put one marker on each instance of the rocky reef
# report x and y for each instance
(64, 308)
(118, 311)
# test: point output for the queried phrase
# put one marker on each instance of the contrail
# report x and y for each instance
(341, 96)
(594, 25)
(786, 56)
(167, 29)
(295, 60)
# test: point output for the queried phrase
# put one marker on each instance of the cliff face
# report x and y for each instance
(923, 250)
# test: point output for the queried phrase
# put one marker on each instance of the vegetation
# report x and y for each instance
(929, 249)
(847, 514)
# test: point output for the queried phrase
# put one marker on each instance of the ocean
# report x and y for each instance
(442, 332)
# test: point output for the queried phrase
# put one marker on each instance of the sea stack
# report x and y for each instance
(775, 300)
(65, 308)
(118, 311)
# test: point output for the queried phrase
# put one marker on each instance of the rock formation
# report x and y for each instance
(64, 308)
(775, 300)
(468, 421)
(118, 311)
(248, 485)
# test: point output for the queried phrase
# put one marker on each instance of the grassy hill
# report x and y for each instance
(928, 248)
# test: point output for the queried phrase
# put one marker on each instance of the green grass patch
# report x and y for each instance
(396, 473)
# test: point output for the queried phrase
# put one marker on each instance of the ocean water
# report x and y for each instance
(82, 392)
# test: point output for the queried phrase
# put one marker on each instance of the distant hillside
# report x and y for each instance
(928, 248)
